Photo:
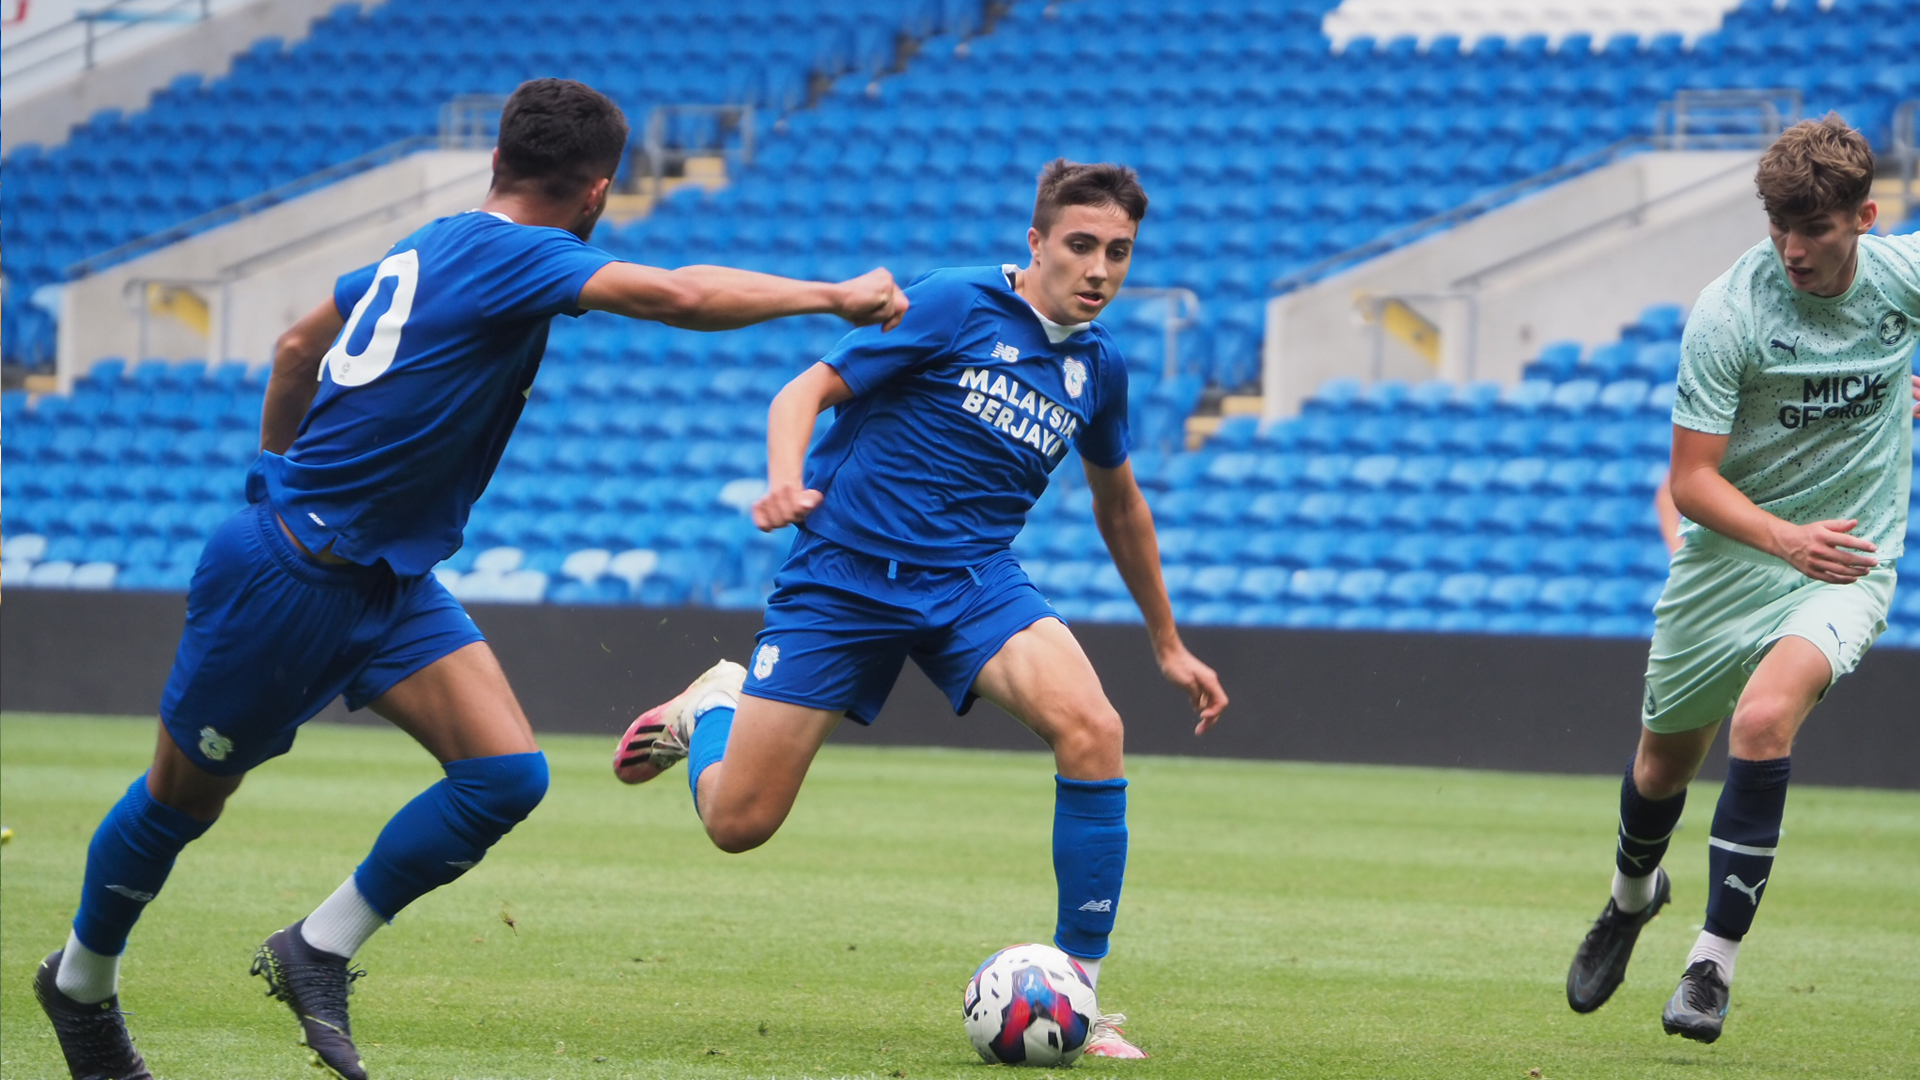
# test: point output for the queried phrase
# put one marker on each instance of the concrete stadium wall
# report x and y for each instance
(1574, 261)
(1564, 705)
(44, 109)
(276, 264)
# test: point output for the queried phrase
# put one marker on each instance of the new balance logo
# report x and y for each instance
(461, 864)
(1097, 905)
(1752, 891)
(132, 894)
(1006, 352)
(1792, 350)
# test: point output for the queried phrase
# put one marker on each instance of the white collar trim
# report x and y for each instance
(1056, 332)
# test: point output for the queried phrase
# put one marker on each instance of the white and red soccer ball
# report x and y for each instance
(1030, 1005)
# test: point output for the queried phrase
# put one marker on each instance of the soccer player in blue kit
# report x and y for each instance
(944, 434)
(388, 407)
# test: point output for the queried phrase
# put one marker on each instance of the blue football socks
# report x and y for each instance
(129, 860)
(1646, 827)
(1089, 861)
(448, 828)
(1746, 831)
(708, 746)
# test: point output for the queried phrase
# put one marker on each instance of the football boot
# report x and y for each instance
(1698, 1007)
(1600, 964)
(315, 985)
(658, 740)
(1109, 1040)
(93, 1038)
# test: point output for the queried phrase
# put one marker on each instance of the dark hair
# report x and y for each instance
(1816, 166)
(560, 135)
(1069, 183)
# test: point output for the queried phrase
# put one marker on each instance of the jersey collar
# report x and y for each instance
(1056, 332)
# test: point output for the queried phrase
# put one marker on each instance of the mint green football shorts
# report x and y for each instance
(1723, 608)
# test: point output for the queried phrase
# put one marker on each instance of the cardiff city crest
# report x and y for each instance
(1076, 376)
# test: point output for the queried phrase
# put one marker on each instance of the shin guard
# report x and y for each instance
(1089, 861)
(129, 860)
(448, 828)
(1746, 832)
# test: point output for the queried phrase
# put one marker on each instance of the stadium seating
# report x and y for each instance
(1522, 509)
(1432, 507)
(1263, 148)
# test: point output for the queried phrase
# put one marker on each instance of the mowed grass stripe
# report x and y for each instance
(1279, 920)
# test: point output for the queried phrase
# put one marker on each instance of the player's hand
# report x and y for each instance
(1184, 670)
(1916, 397)
(872, 298)
(1828, 551)
(784, 505)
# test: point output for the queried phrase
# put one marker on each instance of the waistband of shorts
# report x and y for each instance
(299, 563)
(811, 540)
(1708, 542)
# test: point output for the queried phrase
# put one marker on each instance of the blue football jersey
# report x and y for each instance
(422, 388)
(959, 415)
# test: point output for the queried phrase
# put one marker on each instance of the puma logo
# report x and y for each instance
(1752, 891)
(1636, 860)
(1838, 641)
(1792, 350)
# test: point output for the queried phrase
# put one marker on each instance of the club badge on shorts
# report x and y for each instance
(764, 659)
(213, 745)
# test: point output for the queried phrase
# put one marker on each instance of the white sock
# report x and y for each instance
(85, 975)
(1720, 950)
(1092, 968)
(1633, 894)
(342, 923)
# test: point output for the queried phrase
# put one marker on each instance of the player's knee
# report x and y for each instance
(736, 834)
(1762, 729)
(502, 790)
(1090, 733)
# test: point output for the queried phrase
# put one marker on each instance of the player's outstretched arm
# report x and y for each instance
(1126, 523)
(1916, 397)
(1823, 550)
(722, 298)
(790, 421)
(296, 375)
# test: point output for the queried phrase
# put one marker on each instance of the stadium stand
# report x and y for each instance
(1522, 509)
(1433, 506)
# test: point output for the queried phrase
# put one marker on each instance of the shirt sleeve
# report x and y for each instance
(351, 286)
(1714, 354)
(866, 357)
(1106, 440)
(538, 273)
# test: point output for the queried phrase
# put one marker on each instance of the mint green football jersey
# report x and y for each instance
(1812, 391)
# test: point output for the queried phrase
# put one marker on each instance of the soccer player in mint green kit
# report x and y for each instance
(1792, 461)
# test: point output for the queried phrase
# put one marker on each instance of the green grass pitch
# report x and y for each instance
(1280, 920)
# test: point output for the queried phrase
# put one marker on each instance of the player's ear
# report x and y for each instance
(1869, 213)
(1033, 242)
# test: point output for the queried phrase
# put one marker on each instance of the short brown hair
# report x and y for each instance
(1816, 166)
(559, 136)
(1069, 183)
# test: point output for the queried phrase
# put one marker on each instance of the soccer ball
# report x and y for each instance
(1030, 1005)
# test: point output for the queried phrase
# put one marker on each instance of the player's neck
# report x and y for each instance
(1023, 285)
(522, 209)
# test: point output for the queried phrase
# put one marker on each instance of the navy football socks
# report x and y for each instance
(1089, 861)
(1646, 827)
(448, 828)
(1746, 831)
(129, 860)
(708, 746)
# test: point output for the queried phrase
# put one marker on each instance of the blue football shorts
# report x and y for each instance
(840, 624)
(273, 635)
